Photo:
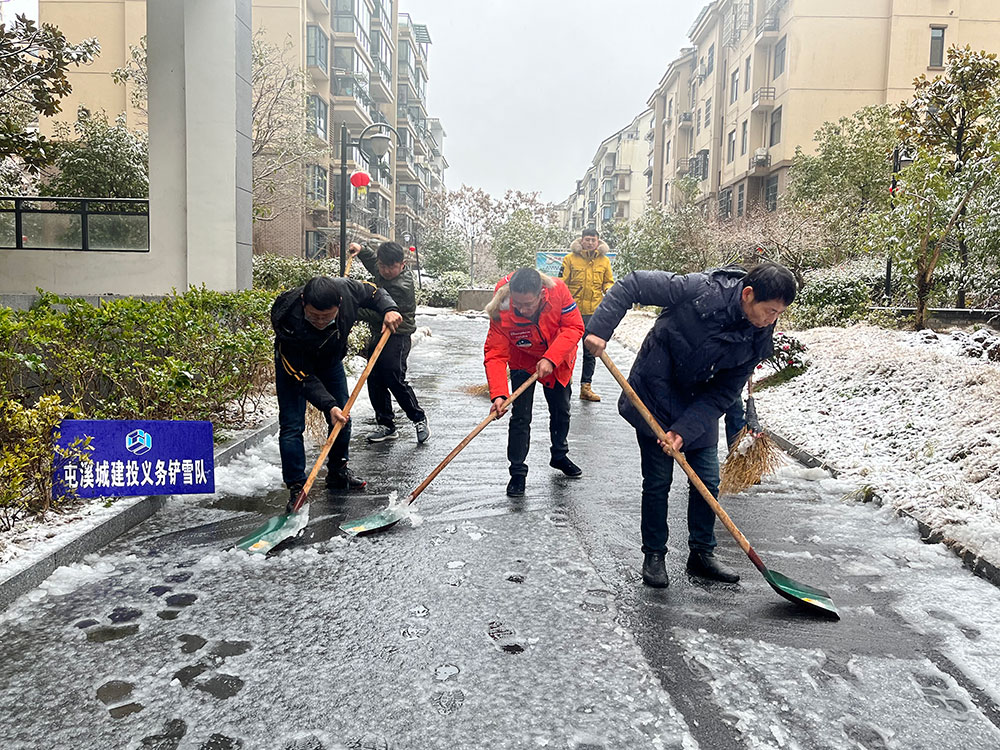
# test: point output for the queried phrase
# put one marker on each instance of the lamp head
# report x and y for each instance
(378, 144)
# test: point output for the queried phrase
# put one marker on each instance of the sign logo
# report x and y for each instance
(138, 442)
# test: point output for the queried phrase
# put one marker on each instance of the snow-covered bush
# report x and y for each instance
(444, 291)
(789, 352)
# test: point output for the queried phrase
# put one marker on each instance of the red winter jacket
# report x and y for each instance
(519, 343)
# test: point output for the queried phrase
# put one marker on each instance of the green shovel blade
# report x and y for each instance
(274, 531)
(801, 593)
(375, 522)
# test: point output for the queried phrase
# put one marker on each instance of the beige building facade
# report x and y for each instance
(761, 77)
(364, 62)
(613, 189)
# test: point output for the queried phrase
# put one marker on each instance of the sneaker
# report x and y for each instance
(654, 570)
(345, 479)
(515, 487)
(382, 433)
(587, 393)
(566, 466)
(707, 565)
(423, 431)
(293, 495)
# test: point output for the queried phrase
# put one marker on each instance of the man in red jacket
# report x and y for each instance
(535, 326)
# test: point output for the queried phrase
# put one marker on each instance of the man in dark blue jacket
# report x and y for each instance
(713, 329)
(311, 325)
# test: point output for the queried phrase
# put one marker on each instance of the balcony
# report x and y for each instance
(767, 31)
(760, 164)
(683, 166)
(763, 100)
(406, 168)
(351, 100)
(685, 120)
(381, 82)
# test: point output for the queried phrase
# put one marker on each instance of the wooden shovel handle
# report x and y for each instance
(695, 479)
(468, 438)
(346, 411)
(347, 266)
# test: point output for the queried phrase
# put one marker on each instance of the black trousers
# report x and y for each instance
(388, 377)
(589, 360)
(519, 433)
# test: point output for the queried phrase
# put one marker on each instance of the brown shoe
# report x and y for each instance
(587, 393)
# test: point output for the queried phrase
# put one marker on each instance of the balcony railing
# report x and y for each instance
(760, 162)
(767, 24)
(763, 99)
(88, 224)
(685, 119)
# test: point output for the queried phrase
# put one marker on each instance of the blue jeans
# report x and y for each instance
(735, 420)
(292, 421)
(657, 474)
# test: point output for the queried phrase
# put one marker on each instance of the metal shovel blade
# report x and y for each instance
(375, 522)
(274, 531)
(800, 593)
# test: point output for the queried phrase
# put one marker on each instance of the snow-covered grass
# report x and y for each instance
(909, 415)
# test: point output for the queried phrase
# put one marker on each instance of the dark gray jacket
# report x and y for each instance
(700, 351)
(302, 349)
(400, 289)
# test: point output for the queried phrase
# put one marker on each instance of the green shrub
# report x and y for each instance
(443, 292)
(830, 301)
(280, 272)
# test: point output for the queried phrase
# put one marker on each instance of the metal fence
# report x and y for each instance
(86, 224)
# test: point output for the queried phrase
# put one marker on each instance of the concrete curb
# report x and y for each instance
(980, 566)
(113, 527)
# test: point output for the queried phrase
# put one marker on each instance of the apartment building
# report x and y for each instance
(613, 189)
(364, 62)
(761, 77)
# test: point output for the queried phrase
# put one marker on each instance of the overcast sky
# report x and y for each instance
(527, 89)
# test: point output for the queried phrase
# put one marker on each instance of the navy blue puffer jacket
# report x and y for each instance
(699, 353)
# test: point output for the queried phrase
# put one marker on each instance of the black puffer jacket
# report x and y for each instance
(400, 289)
(302, 349)
(699, 353)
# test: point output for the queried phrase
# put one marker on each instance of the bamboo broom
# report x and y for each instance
(752, 456)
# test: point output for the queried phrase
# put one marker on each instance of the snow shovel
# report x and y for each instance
(391, 515)
(279, 528)
(814, 599)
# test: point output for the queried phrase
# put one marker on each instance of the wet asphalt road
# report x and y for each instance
(497, 623)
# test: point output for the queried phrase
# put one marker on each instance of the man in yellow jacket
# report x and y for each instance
(586, 271)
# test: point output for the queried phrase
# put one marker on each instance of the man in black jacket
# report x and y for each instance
(713, 330)
(311, 325)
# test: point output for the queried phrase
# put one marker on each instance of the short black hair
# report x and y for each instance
(771, 281)
(391, 253)
(525, 281)
(590, 232)
(321, 292)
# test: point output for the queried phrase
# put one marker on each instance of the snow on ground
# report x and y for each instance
(907, 414)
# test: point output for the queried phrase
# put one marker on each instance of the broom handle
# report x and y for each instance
(346, 411)
(468, 438)
(679, 458)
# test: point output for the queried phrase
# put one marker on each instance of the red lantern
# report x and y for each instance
(413, 249)
(360, 179)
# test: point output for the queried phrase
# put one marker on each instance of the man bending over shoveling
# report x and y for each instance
(535, 326)
(713, 329)
(311, 325)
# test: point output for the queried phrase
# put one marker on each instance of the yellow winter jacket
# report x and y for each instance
(588, 276)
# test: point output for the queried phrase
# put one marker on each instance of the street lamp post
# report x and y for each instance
(899, 160)
(379, 145)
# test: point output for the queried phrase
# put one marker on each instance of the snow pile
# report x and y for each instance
(913, 416)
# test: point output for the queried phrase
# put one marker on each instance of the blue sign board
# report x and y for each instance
(136, 457)
(549, 262)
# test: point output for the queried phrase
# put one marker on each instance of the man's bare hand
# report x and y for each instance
(353, 249)
(336, 415)
(392, 320)
(545, 368)
(676, 442)
(498, 408)
(595, 344)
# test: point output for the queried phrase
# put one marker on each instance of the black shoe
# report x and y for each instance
(707, 565)
(293, 495)
(515, 487)
(345, 479)
(566, 466)
(654, 570)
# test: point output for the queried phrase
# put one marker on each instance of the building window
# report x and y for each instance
(317, 110)
(771, 193)
(937, 46)
(316, 185)
(740, 198)
(697, 122)
(708, 112)
(726, 204)
(666, 158)
(776, 127)
(711, 60)
(746, 75)
(606, 213)
(744, 138)
(731, 146)
(779, 56)
(670, 109)
(734, 86)
(316, 48)
(315, 245)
